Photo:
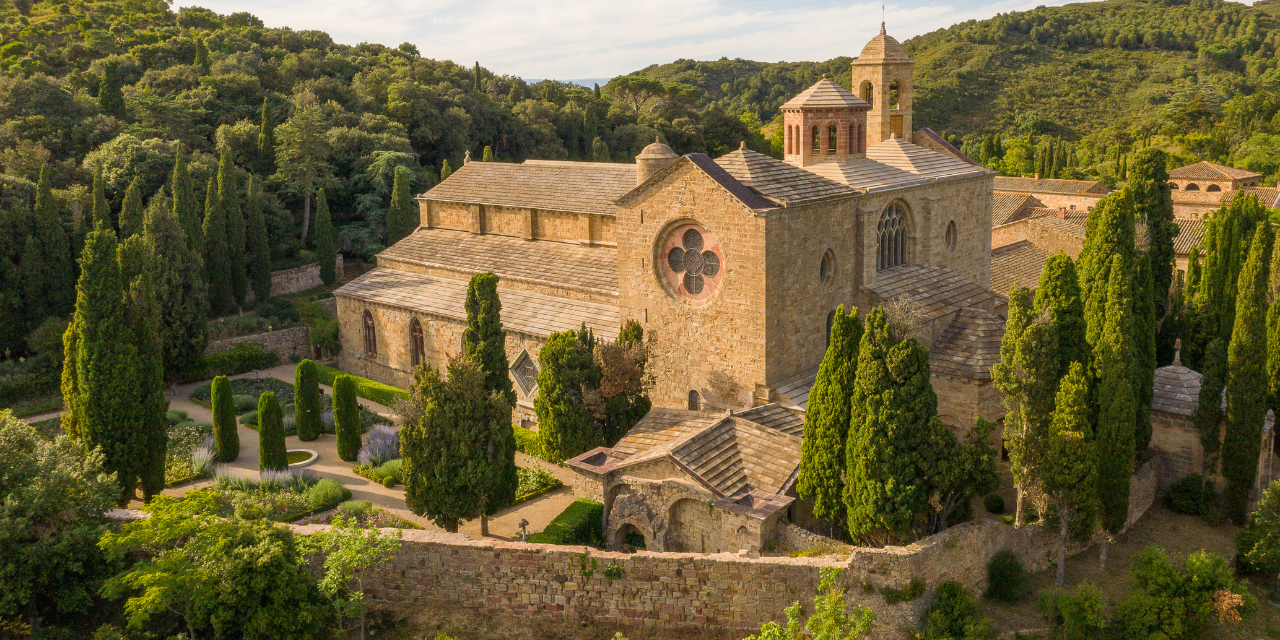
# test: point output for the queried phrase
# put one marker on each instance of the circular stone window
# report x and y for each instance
(692, 262)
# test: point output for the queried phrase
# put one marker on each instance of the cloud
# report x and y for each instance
(588, 38)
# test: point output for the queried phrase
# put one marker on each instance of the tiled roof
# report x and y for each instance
(938, 290)
(1176, 390)
(916, 159)
(530, 313)
(825, 94)
(1205, 170)
(779, 181)
(947, 146)
(1269, 196)
(542, 262)
(775, 416)
(861, 173)
(747, 196)
(583, 187)
(968, 347)
(1017, 264)
(796, 392)
(1066, 187)
(1072, 223)
(736, 456)
(1011, 207)
(1190, 233)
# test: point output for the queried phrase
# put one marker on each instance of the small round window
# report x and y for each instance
(951, 236)
(827, 268)
(692, 262)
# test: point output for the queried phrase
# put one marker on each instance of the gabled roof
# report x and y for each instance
(825, 94)
(944, 146)
(920, 161)
(748, 197)
(579, 187)
(1190, 233)
(781, 182)
(1176, 389)
(1011, 207)
(1063, 187)
(1017, 264)
(796, 392)
(938, 290)
(775, 416)
(1205, 170)
(525, 312)
(969, 346)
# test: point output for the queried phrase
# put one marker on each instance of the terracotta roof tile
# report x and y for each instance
(969, 346)
(1190, 233)
(825, 94)
(1011, 207)
(1269, 196)
(1205, 170)
(1017, 264)
(779, 181)
(1067, 187)
(530, 313)
(583, 187)
(938, 290)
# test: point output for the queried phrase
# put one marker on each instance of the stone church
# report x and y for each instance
(734, 266)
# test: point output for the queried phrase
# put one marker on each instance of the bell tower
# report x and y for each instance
(882, 77)
(823, 123)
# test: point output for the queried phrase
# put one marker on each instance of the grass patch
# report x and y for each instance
(294, 457)
(913, 590)
(36, 406)
(383, 394)
(579, 524)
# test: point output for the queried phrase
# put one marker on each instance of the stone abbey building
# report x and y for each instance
(734, 266)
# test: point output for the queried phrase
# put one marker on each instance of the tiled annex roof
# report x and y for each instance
(750, 198)
(1269, 196)
(775, 416)
(553, 263)
(779, 181)
(1190, 233)
(1176, 390)
(1064, 187)
(581, 187)
(796, 392)
(1017, 264)
(825, 94)
(1011, 207)
(920, 161)
(526, 312)
(938, 290)
(969, 346)
(1205, 170)
(947, 146)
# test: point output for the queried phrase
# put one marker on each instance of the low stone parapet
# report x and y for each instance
(285, 343)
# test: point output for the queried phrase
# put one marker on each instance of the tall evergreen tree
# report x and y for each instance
(326, 241)
(131, 211)
(826, 421)
(1246, 369)
(216, 256)
(33, 283)
(566, 426)
(302, 157)
(1273, 351)
(186, 207)
(1071, 466)
(148, 426)
(1144, 350)
(402, 216)
(58, 262)
(257, 243)
(1193, 272)
(110, 90)
(202, 55)
(271, 449)
(265, 162)
(306, 400)
(600, 151)
(1058, 295)
(484, 339)
(1148, 191)
(101, 208)
(229, 195)
(180, 286)
(226, 436)
(1228, 234)
(457, 453)
(1113, 361)
(1208, 414)
(346, 417)
(1109, 231)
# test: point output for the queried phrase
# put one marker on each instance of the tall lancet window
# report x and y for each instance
(892, 230)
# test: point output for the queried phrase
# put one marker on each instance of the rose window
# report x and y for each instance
(694, 265)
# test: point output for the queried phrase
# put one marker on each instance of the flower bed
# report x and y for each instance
(251, 387)
(281, 496)
(364, 514)
(534, 482)
(190, 452)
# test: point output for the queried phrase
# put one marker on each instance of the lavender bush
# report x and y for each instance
(326, 420)
(381, 443)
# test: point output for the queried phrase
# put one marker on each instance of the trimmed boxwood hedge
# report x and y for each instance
(579, 523)
(383, 394)
(527, 441)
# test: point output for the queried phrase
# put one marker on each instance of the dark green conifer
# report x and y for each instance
(34, 283)
(265, 162)
(826, 421)
(147, 428)
(202, 55)
(1058, 295)
(1144, 349)
(1071, 465)
(229, 195)
(484, 338)
(1109, 232)
(216, 255)
(445, 170)
(1113, 361)
(325, 239)
(1273, 352)
(180, 286)
(101, 208)
(185, 204)
(402, 216)
(257, 242)
(110, 90)
(1246, 371)
(271, 450)
(346, 417)
(1148, 190)
(306, 400)
(1208, 414)
(59, 265)
(226, 437)
(566, 426)
(131, 210)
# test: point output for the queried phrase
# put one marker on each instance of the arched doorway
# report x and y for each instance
(629, 538)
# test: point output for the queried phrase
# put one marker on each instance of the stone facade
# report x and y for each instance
(285, 343)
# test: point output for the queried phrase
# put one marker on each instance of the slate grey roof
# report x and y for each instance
(526, 312)
(947, 146)
(969, 347)
(1176, 390)
(796, 392)
(1065, 187)
(581, 187)
(920, 161)
(750, 198)
(938, 290)
(551, 263)
(1011, 207)
(863, 173)
(825, 94)
(779, 181)
(1205, 170)
(1017, 264)
(775, 416)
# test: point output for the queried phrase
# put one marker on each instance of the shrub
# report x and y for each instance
(291, 480)
(954, 614)
(356, 507)
(913, 590)
(306, 400)
(534, 480)
(527, 441)
(244, 404)
(388, 471)
(279, 312)
(1187, 496)
(174, 416)
(385, 395)
(579, 523)
(244, 357)
(346, 417)
(1007, 580)
(327, 494)
(1079, 615)
(225, 433)
(381, 444)
(1174, 602)
(202, 458)
(993, 503)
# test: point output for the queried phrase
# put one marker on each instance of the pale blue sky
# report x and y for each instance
(567, 39)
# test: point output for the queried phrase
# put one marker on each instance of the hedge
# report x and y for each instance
(527, 441)
(579, 523)
(244, 357)
(383, 394)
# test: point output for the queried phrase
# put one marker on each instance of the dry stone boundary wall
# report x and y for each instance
(286, 281)
(723, 590)
(285, 343)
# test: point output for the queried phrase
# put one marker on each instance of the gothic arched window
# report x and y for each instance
(370, 336)
(952, 235)
(892, 231)
(417, 347)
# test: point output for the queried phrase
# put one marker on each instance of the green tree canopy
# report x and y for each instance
(566, 426)
(1246, 369)
(822, 454)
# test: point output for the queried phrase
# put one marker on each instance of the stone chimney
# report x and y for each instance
(652, 159)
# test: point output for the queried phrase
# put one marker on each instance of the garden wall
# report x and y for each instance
(726, 590)
(286, 281)
(285, 343)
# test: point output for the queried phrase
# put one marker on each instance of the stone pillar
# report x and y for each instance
(527, 230)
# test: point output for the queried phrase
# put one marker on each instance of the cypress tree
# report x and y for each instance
(1228, 234)
(402, 216)
(1246, 369)
(58, 263)
(202, 55)
(1144, 346)
(826, 421)
(306, 400)
(1109, 231)
(185, 205)
(131, 211)
(600, 151)
(325, 240)
(216, 255)
(1193, 272)
(346, 417)
(1058, 295)
(1071, 465)
(101, 209)
(110, 90)
(229, 195)
(180, 285)
(1208, 414)
(257, 242)
(1273, 352)
(33, 283)
(566, 426)
(445, 170)
(484, 338)
(476, 77)
(459, 454)
(147, 427)
(1148, 190)
(265, 163)
(271, 450)
(893, 419)
(226, 437)
(1113, 360)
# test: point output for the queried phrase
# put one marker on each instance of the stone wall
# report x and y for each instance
(519, 222)
(285, 343)
(286, 281)
(961, 401)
